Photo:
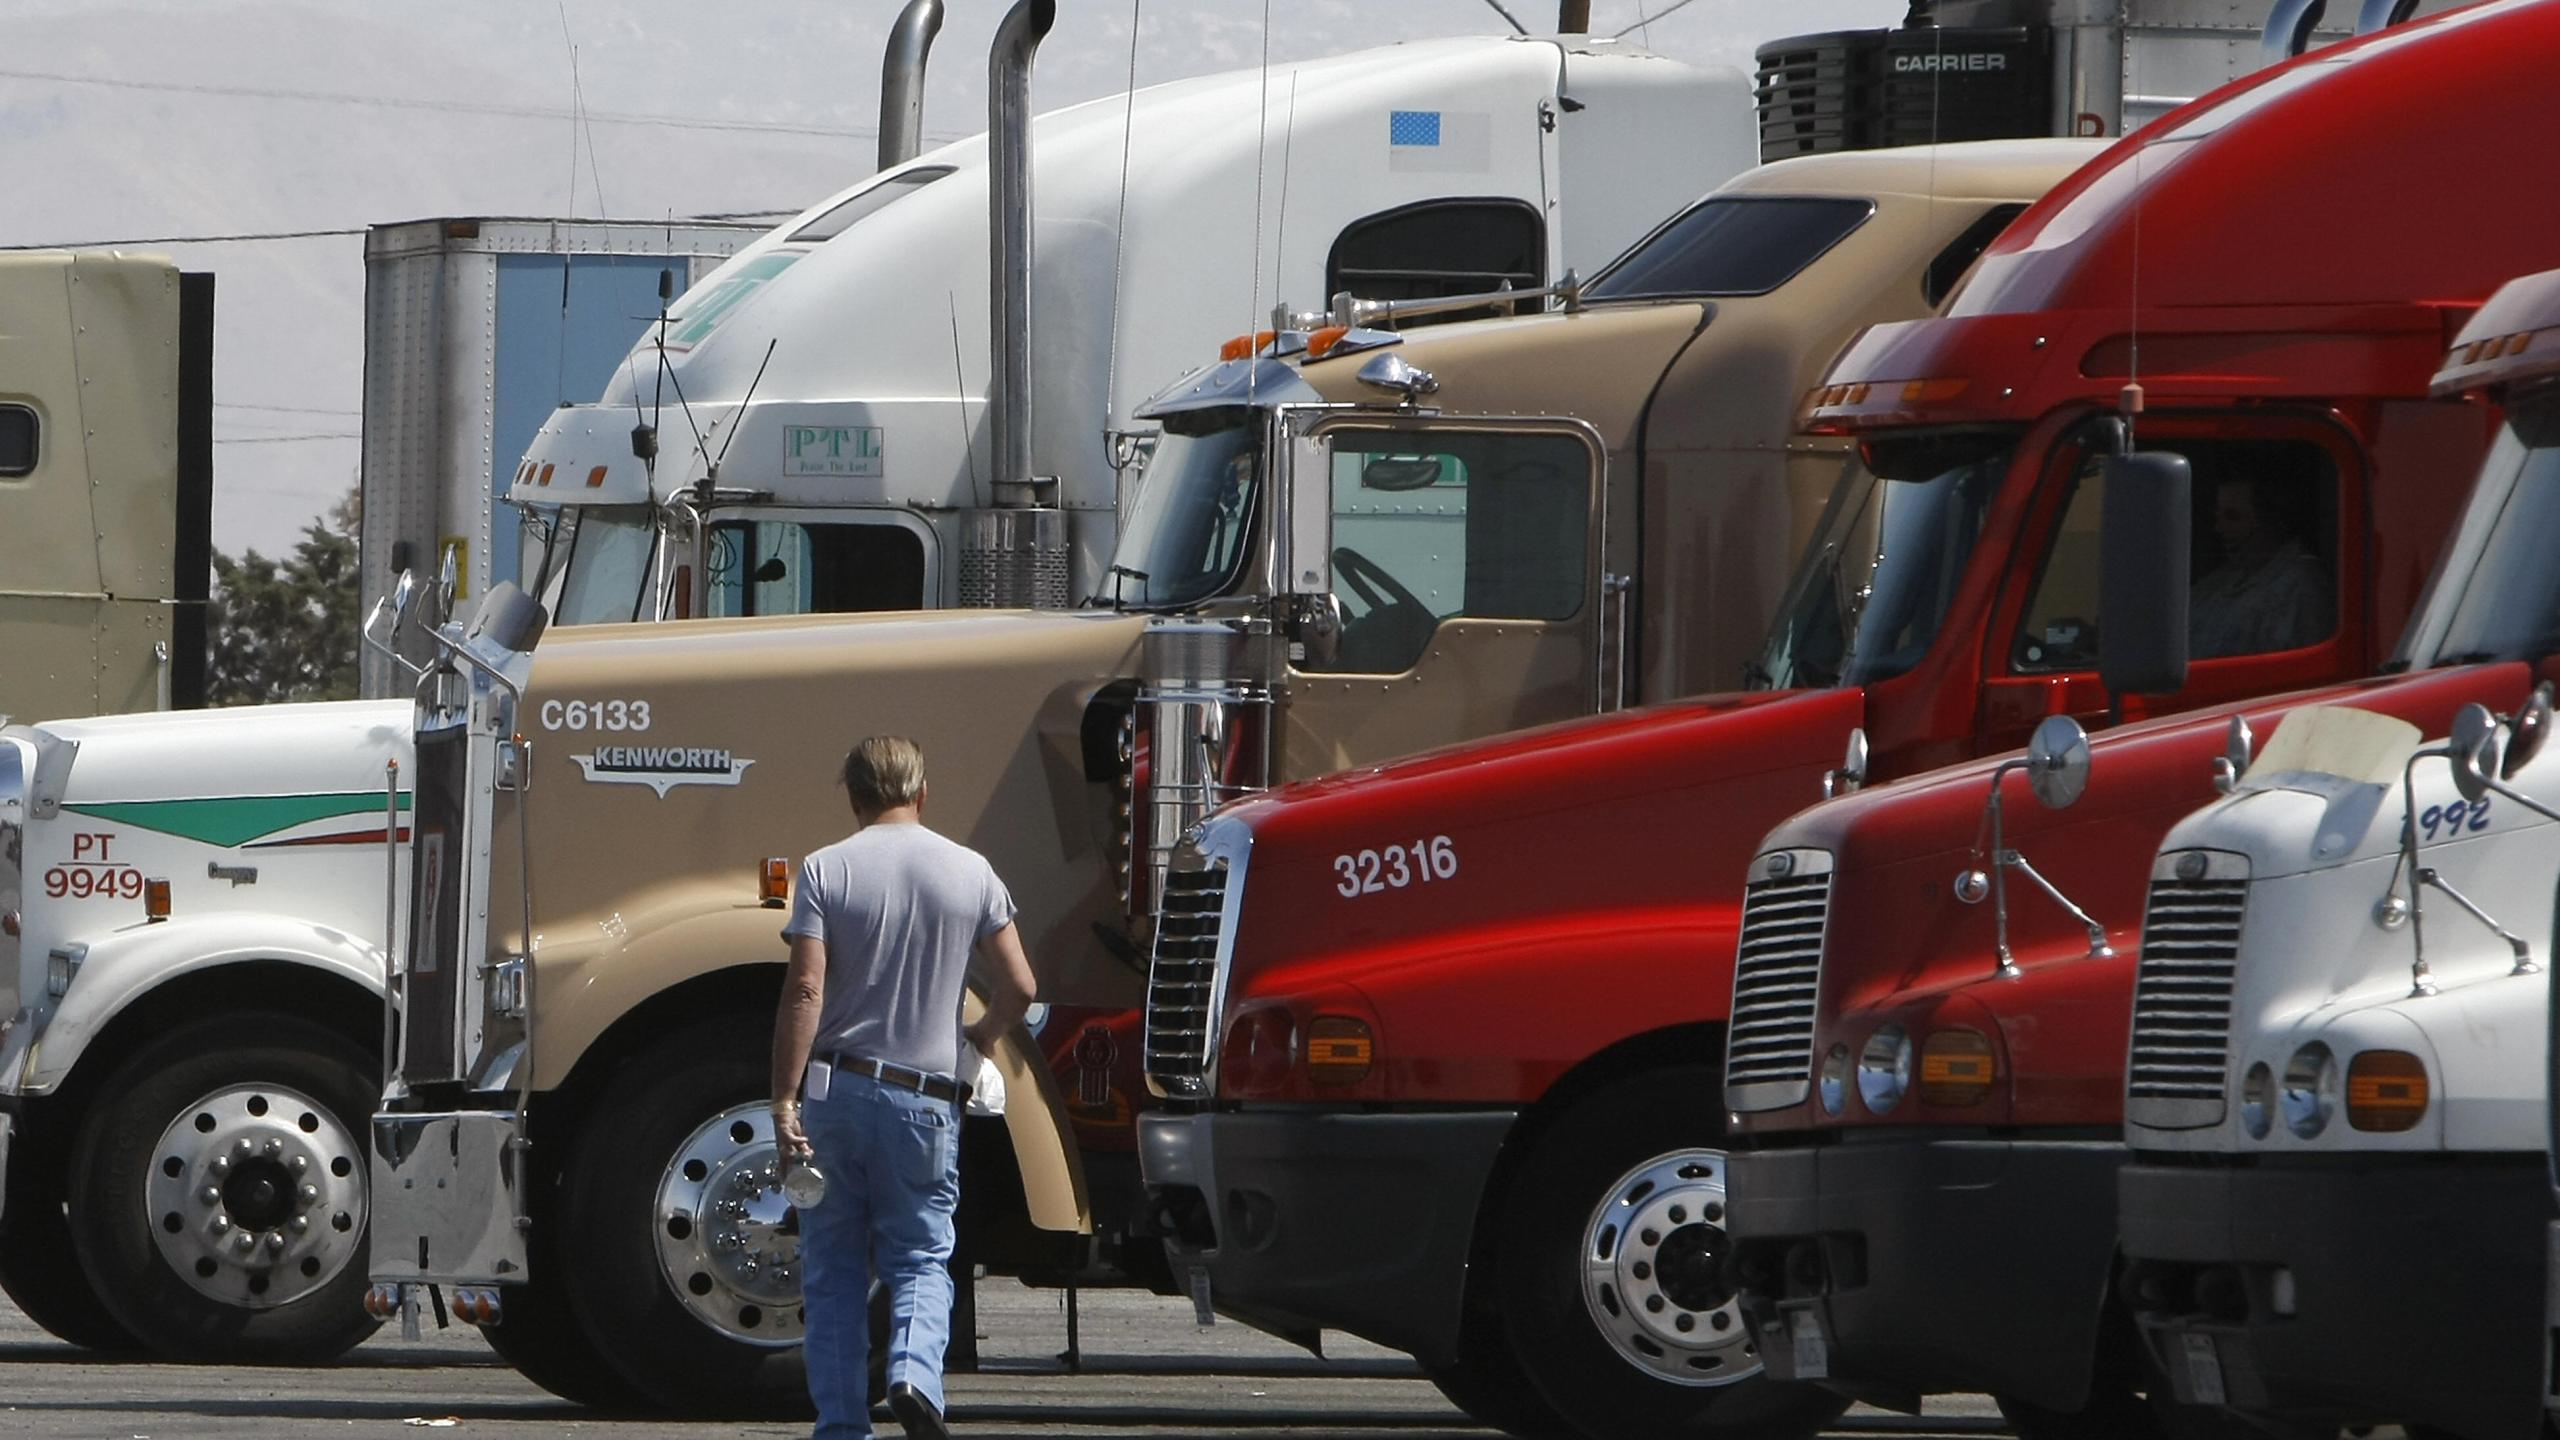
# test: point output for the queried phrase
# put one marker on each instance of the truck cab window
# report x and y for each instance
(17, 441)
(1185, 535)
(788, 567)
(2264, 557)
(1427, 529)
(608, 566)
(1731, 245)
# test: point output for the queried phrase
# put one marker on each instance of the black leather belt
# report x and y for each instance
(932, 1087)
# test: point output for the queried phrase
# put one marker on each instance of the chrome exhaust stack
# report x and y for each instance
(1015, 554)
(902, 81)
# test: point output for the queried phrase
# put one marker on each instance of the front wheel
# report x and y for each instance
(677, 1249)
(218, 1192)
(41, 1272)
(1613, 1290)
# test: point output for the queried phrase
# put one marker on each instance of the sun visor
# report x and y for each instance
(583, 456)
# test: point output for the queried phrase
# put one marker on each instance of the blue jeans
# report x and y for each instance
(892, 1161)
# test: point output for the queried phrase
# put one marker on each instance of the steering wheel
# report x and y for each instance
(1369, 580)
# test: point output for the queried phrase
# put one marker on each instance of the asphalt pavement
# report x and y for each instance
(1146, 1370)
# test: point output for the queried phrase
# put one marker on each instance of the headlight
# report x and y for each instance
(1884, 1069)
(2258, 1100)
(2310, 1090)
(1835, 1080)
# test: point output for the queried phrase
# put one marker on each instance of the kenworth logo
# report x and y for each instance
(661, 767)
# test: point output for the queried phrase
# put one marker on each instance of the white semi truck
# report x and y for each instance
(2337, 1083)
(191, 958)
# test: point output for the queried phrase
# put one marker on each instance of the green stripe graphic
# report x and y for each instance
(233, 820)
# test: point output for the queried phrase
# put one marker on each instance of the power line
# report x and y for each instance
(238, 239)
(466, 107)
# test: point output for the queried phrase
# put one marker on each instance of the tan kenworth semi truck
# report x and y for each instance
(1349, 545)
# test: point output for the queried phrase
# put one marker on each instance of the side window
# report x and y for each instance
(1429, 527)
(784, 567)
(1440, 247)
(17, 441)
(2265, 557)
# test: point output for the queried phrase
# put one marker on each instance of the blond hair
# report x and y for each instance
(883, 772)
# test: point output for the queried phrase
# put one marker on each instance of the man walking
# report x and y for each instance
(883, 925)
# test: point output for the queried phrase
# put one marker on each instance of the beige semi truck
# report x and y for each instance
(106, 472)
(1349, 545)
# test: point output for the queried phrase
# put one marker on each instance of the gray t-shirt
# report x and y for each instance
(900, 910)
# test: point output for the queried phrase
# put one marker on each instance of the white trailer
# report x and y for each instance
(475, 330)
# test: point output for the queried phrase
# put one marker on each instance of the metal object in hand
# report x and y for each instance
(804, 1184)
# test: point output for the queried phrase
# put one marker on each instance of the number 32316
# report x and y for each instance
(1368, 872)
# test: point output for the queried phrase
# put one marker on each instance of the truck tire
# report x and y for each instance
(1612, 1293)
(544, 1342)
(697, 1318)
(41, 1272)
(1487, 1381)
(218, 1192)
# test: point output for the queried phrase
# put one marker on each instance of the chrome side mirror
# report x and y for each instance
(2239, 747)
(1852, 774)
(1315, 623)
(2474, 747)
(1391, 372)
(2526, 732)
(2058, 762)
(398, 609)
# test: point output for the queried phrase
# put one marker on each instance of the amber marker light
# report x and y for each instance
(1956, 1068)
(1321, 343)
(773, 885)
(595, 478)
(2386, 1091)
(1339, 1049)
(155, 900)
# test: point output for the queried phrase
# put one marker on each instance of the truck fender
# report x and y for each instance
(124, 965)
(582, 994)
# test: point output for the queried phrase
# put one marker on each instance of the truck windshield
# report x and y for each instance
(2506, 605)
(1186, 534)
(607, 571)
(1874, 586)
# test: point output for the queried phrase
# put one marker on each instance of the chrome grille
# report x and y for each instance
(1182, 976)
(1777, 970)
(2175, 1077)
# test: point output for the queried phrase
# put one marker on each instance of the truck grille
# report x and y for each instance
(1777, 971)
(2175, 1076)
(1182, 976)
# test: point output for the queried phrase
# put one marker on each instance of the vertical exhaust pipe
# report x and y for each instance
(1017, 553)
(1009, 227)
(902, 81)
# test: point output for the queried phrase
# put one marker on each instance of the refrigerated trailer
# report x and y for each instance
(106, 482)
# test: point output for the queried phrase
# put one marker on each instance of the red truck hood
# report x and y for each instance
(1898, 945)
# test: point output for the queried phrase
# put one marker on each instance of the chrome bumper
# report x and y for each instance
(449, 1196)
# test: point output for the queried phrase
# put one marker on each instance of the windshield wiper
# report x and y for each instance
(1756, 676)
(1119, 572)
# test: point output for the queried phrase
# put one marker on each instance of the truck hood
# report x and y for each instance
(670, 760)
(1599, 365)
(1648, 811)
(214, 775)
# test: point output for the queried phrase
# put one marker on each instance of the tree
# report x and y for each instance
(286, 629)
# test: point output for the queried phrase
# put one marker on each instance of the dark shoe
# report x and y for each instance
(916, 1413)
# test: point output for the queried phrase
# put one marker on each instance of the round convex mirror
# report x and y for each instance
(2058, 762)
(2240, 745)
(2475, 750)
(2530, 728)
(404, 593)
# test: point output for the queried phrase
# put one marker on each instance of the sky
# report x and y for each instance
(154, 120)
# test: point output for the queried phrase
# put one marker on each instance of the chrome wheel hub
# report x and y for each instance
(257, 1196)
(1652, 1273)
(728, 1242)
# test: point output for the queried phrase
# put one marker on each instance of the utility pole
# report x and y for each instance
(1573, 17)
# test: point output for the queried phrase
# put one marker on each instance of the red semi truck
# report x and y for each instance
(1443, 1041)
(1923, 1197)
